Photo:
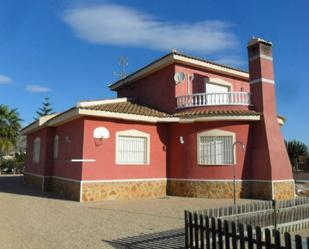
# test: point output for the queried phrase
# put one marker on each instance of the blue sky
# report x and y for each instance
(68, 50)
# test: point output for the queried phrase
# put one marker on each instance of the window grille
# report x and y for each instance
(132, 150)
(215, 150)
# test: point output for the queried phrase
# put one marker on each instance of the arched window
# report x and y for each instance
(56, 147)
(36, 150)
(132, 147)
(215, 147)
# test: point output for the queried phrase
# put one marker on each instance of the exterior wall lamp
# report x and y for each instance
(181, 140)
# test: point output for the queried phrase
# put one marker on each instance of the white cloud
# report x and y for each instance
(37, 89)
(119, 25)
(231, 61)
(5, 80)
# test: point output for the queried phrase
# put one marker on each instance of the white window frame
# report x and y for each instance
(133, 133)
(56, 147)
(215, 133)
(36, 150)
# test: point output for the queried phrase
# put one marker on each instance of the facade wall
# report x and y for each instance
(104, 153)
(156, 90)
(182, 158)
(200, 75)
(159, 89)
(70, 147)
(44, 166)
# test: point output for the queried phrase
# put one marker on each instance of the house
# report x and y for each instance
(171, 131)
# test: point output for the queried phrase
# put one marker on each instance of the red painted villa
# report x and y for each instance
(170, 131)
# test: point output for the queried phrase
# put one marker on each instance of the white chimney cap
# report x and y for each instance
(255, 40)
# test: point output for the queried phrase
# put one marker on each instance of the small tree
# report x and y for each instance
(46, 109)
(295, 150)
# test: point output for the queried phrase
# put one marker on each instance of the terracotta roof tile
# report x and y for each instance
(128, 107)
(131, 107)
(208, 113)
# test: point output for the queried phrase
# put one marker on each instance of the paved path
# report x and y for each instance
(30, 219)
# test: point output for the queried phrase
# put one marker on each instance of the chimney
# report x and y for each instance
(270, 162)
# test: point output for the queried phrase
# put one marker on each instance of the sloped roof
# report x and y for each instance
(132, 107)
(127, 107)
(203, 113)
(173, 57)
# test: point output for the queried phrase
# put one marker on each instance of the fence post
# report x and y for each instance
(277, 239)
(298, 242)
(207, 225)
(241, 235)
(196, 232)
(250, 237)
(186, 229)
(275, 213)
(287, 238)
(258, 238)
(227, 235)
(191, 230)
(234, 235)
(202, 230)
(213, 232)
(267, 238)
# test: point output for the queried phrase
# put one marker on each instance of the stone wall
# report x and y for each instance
(224, 190)
(284, 190)
(123, 190)
(98, 191)
(34, 181)
(66, 188)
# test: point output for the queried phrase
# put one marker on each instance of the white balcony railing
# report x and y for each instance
(211, 99)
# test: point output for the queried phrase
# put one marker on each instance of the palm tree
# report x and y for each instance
(9, 128)
(295, 150)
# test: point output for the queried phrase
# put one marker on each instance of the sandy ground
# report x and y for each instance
(30, 219)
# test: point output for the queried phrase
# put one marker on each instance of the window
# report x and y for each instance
(36, 150)
(132, 147)
(215, 147)
(56, 146)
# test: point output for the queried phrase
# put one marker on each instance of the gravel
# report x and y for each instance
(31, 219)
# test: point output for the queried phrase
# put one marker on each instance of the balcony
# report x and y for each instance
(214, 99)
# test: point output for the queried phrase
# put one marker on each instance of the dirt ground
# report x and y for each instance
(31, 219)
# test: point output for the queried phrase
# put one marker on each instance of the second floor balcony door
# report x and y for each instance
(215, 94)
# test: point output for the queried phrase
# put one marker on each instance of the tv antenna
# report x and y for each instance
(123, 63)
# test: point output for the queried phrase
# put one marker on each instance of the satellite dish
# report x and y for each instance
(100, 133)
(179, 77)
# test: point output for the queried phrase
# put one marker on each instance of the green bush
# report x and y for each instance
(15, 165)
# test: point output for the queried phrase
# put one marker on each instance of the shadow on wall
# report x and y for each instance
(15, 185)
(172, 239)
